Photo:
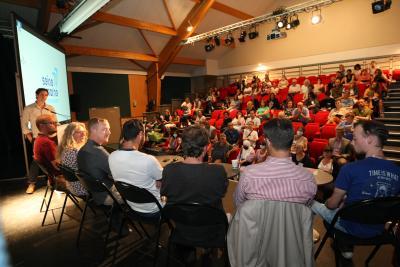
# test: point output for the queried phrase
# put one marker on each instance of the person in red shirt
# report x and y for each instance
(45, 149)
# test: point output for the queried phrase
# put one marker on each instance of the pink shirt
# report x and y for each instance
(278, 179)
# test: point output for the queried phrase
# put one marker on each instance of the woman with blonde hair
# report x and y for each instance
(75, 136)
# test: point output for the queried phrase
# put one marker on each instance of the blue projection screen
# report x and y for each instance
(42, 65)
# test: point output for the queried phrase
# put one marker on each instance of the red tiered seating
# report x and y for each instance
(298, 98)
(301, 79)
(328, 131)
(233, 155)
(321, 117)
(219, 123)
(324, 78)
(361, 89)
(282, 95)
(265, 98)
(321, 97)
(311, 130)
(312, 79)
(275, 113)
(245, 100)
(232, 113)
(396, 75)
(296, 125)
(232, 90)
(316, 147)
(223, 93)
(215, 114)
(179, 112)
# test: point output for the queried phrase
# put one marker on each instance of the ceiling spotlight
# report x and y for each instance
(242, 37)
(293, 22)
(210, 45)
(190, 27)
(288, 26)
(316, 18)
(229, 39)
(282, 23)
(253, 33)
(217, 41)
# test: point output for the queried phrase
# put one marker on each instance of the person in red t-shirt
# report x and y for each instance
(45, 149)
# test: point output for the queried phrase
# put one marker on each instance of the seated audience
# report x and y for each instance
(131, 166)
(326, 161)
(349, 77)
(44, 148)
(273, 102)
(220, 149)
(299, 138)
(250, 134)
(252, 117)
(239, 121)
(341, 148)
(187, 104)
(278, 178)
(301, 113)
(312, 103)
(250, 107)
(199, 117)
(232, 135)
(336, 114)
(372, 177)
(226, 121)
(364, 77)
(263, 111)
(246, 154)
(318, 87)
(74, 137)
(289, 109)
(301, 158)
(173, 143)
(362, 111)
(348, 125)
(193, 181)
(337, 89)
(283, 83)
(294, 87)
(93, 159)
(347, 102)
(306, 88)
(261, 153)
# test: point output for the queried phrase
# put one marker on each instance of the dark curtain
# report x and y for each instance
(174, 87)
(11, 147)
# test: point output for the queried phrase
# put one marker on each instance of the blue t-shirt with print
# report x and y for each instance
(366, 179)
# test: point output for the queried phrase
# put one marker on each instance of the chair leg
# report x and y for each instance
(44, 199)
(376, 248)
(62, 212)
(157, 244)
(107, 235)
(47, 206)
(81, 224)
(323, 241)
(144, 230)
(75, 201)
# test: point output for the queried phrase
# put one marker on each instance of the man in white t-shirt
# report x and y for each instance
(131, 166)
(252, 117)
(294, 88)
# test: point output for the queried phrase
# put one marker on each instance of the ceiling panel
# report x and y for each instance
(102, 62)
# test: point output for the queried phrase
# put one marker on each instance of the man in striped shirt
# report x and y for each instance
(277, 178)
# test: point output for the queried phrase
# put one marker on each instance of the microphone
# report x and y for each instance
(61, 122)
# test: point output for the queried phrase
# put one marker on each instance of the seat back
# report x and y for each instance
(136, 194)
(372, 211)
(328, 131)
(316, 149)
(68, 173)
(311, 130)
(321, 117)
(195, 214)
(296, 125)
(91, 184)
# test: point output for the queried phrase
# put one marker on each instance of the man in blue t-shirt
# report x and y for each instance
(371, 177)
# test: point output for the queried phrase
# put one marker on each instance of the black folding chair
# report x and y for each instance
(374, 212)
(92, 186)
(139, 195)
(52, 186)
(197, 225)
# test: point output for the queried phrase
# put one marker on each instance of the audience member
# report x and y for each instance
(326, 161)
(278, 178)
(193, 181)
(93, 159)
(252, 117)
(263, 111)
(301, 158)
(301, 113)
(283, 83)
(226, 121)
(250, 134)
(362, 111)
(261, 154)
(74, 137)
(299, 139)
(246, 154)
(220, 149)
(336, 114)
(289, 109)
(372, 177)
(337, 89)
(341, 148)
(273, 102)
(294, 87)
(348, 125)
(232, 135)
(131, 166)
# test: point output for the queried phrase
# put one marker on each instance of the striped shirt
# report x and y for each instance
(278, 179)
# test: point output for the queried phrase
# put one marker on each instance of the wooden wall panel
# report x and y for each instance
(137, 94)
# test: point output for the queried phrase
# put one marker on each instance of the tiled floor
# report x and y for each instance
(30, 244)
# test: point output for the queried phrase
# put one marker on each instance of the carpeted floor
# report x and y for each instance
(30, 244)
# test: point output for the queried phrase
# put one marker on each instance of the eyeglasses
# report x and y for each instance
(50, 122)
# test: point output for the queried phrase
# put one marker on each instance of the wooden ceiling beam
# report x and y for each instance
(133, 23)
(229, 10)
(44, 15)
(100, 52)
(189, 61)
(138, 64)
(86, 25)
(147, 42)
(170, 51)
(169, 13)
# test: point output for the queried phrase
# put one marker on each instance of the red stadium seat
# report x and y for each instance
(311, 130)
(265, 98)
(298, 98)
(320, 140)
(232, 113)
(215, 114)
(316, 149)
(212, 122)
(321, 117)
(396, 75)
(321, 97)
(232, 90)
(219, 123)
(312, 79)
(296, 125)
(275, 113)
(180, 112)
(233, 155)
(300, 80)
(361, 89)
(328, 131)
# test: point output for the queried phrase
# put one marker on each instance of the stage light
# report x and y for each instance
(253, 33)
(293, 22)
(379, 6)
(229, 39)
(316, 18)
(217, 41)
(210, 45)
(281, 23)
(242, 37)
(190, 27)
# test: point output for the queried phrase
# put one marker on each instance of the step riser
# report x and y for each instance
(393, 128)
(391, 115)
(393, 143)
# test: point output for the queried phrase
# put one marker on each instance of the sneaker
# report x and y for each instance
(30, 189)
(347, 255)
